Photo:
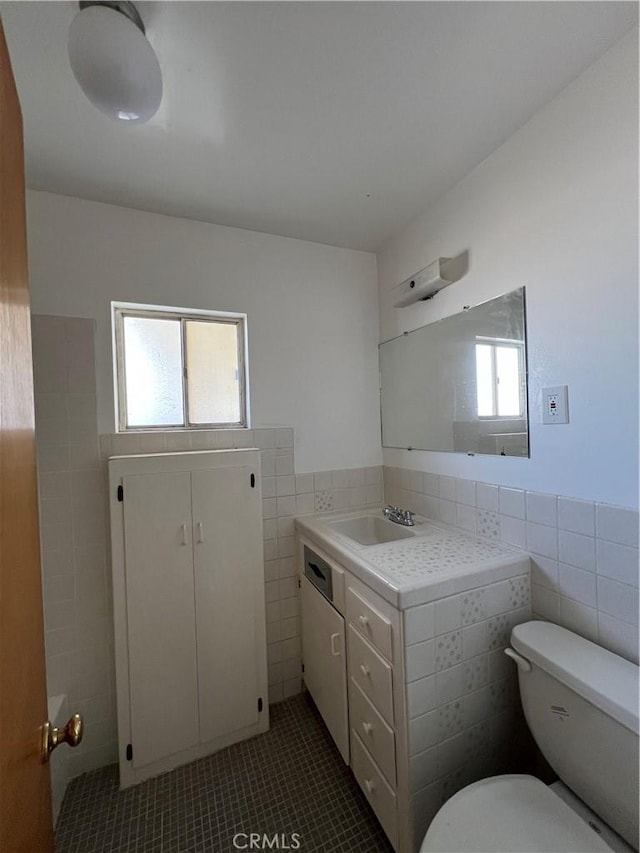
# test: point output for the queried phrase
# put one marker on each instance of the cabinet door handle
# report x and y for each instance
(316, 571)
(363, 620)
(364, 669)
(335, 649)
(199, 532)
(369, 785)
(368, 728)
(183, 540)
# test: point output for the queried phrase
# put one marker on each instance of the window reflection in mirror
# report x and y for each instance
(500, 378)
(459, 384)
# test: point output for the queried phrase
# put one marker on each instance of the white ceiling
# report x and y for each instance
(286, 117)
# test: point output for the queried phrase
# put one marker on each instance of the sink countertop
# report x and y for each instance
(439, 560)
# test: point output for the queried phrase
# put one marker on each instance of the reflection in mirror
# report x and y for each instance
(459, 384)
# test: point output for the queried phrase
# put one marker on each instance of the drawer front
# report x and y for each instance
(380, 796)
(371, 624)
(374, 732)
(371, 673)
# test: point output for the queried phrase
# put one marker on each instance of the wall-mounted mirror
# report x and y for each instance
(459, 384)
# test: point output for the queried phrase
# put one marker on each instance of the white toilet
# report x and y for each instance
(581, 704)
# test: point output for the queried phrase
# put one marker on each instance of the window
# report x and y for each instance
(500, 378)
(179, 369)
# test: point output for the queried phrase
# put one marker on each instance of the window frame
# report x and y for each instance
(121, 310)
(519, 346)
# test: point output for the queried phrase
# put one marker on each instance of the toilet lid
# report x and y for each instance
(509, 814)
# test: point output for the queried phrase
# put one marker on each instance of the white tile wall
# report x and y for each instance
(419, 624)
(576, 516)
(585, 561)
(487, 496)
(615, 524)
(72, 495)
(300, 494)
(512, 502)
(461, 689)
(541, 508)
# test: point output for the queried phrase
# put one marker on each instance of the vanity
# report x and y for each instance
(403, 638)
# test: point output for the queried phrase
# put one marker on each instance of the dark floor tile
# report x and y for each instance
(289, 780)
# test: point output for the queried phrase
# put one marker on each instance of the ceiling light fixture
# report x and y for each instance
(113, 62)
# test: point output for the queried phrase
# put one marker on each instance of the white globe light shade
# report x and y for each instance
(115, 65)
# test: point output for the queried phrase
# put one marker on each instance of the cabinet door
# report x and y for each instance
(160, 615)
(325, 664)
(229, 580)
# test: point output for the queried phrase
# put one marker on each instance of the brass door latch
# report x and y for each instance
(53, 736)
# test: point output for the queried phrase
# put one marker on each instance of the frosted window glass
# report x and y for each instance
(153, 372)
(508, 380)
(212, 373)
(484, 380)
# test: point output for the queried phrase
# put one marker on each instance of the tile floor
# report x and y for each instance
(289, 780)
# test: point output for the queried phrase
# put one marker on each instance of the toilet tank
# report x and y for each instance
(581, 704)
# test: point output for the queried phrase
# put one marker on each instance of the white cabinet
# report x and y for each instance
(189, 608)
(360, 696)
(325, 664)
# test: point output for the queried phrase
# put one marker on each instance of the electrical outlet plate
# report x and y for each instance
(555, 405)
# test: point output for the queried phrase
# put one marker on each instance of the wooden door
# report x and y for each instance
(25, 790)
(227, 515)
(160, 615)
(325, 662)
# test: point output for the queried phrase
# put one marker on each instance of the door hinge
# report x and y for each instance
(120, 494)
(299, 583)
(129, 752)
(260, 704)
(253, 481)
(303, 667)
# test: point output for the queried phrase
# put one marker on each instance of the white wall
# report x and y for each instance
(555, 209)
(312, 311)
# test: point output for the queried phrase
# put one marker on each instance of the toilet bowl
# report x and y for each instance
(510, 814)
(581, 704)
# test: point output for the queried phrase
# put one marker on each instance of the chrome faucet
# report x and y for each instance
(400, 516)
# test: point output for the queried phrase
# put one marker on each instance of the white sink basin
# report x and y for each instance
(370, 530)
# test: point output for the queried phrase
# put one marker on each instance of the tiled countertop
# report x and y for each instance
(437, 561)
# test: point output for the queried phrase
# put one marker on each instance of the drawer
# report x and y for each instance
(371, 673)
(380, 796)
(371, 624)
(377, 736)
